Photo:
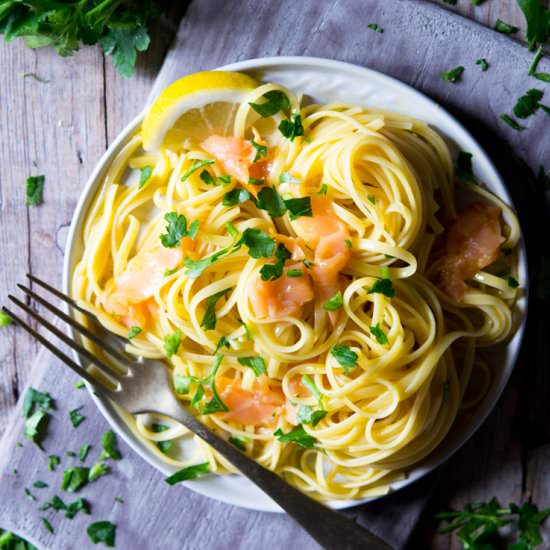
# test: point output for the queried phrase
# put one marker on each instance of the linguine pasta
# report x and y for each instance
(352, 364)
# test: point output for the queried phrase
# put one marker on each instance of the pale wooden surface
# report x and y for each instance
(61, 128)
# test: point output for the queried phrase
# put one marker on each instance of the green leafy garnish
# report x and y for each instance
(236, 196)
(222, 342)
(257, 364)
(164, 446)
(297, 435)
(71, 509)
(191, 472)
(5, 319)
(74, 478)
(47, 525)
(197, 165)
(528, 104)
(544, 77)
(299, 207)
(35, 399)
(40, 485)
(78, 385)
(83, 452)
(453, 75)
(512, 283)
(102, 531)
(345, 356)
(372, 199)
(261, 151)
(310, 385)
(254, 181)
(177, 229)
(292, 128)
(375, 27)
(463, 167)
(275, 101)
(259, 243)
(382, 286)
(292, 273)
(537, 18)
(134, 331)
(239, 441)
(53, 461)
(270, 201)
(334, 303)
(309, 415)
(271, 272)
(209, 319)
(215, 404)
(76, 418)
(35, 189)
(172, 342)
(379, 334)
(196, 267)
(181, 383)
(144, 176)
(286, 177)
(30, 496)
(482, 62)
(108, 442)
(537, 57)
(511, 122)
(98, 469)
(35, 427)
(505, 28)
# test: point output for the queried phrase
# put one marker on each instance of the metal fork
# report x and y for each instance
(145, 388)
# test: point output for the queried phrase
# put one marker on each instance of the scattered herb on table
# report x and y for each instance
(528, 103)
(74, 478)
(505, 28)
(275, 101)
(209, 319)
(511, 122)
(98, 470)
(133, 332)
(76, 417)
(334, 303)
(35, 190)
(53, 461)
(537, 19)
(102, 531)
(83, 452)
(375, 27)
(453, 75)
(172, 342)
(108, 442)
(163, 446)
(5, 319)
(47, 525)
(177, 229)
(482, 62)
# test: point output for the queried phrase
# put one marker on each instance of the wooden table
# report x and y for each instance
(61, 127)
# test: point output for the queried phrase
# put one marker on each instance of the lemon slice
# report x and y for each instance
(195, 106)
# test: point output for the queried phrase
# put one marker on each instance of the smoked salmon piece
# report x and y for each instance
(472, 243)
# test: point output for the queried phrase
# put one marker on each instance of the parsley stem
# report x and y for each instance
(536, 59)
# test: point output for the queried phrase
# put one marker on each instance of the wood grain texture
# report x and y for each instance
(65, 125)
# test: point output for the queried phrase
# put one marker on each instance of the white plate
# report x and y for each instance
(325, 81)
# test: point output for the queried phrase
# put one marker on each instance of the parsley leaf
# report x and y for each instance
(123, 44)
(292, 128)
(379, 334)
(382, 286)
(83, 452)
(310, 385)
(528, 104)
(102, 531)
(375, 27)
(191, 472)
(275, 101)
(297, 435)
(453, 75)
(47, 525)
(134, 331)
(177, 229)
(286, 177)
(299, 207)
(261, 151)
(144, 176)
(35, 188)
(236, 196)
(538, 21)
(270, 200)
(181, 383)
(259, 243)
(172, 342)
(53, 461)
(463, 167)
(164, 446)
(35, 427)
(209, 319)
(257, 364)
(270, 272)
(76, 418)
(108, 442)
(98, 469)
(323, 189)
(74, 478)
(512, 283)
(537, 57)
(505, 28)
(334, 303)
(40, 485)
(222, 342)
(239, 441)
(544, 77)
(196, 267)
(34, 398)
(482, 62)
(345, 356)
(5, 319)
(511, 122)
(197, 165)
(309, 415)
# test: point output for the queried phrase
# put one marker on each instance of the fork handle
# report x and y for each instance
(328, 527)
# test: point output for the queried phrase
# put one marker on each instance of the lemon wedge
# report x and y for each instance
(195, 106)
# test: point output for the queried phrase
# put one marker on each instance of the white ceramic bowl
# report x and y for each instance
(325, 81)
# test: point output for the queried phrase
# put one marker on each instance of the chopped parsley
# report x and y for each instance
(236, 196)
(71, 509)
(323, 189)
(76, 418)
(74, 478)
(345, 356)
(511, 122)
(275, 101)
(207, 177)
(196, 267)
(172, 342)
(463, 167)
(177, 229)
(270, 201)
(197, 165)
(144, 176)
(35, 427)
(191, 472)
(528, 104)
(309, 415)
(83, 452)
(308, 263)
(334, 303)
(261, 151)
(222, 342)
(379, 334)
(108, 442)
(164, 446)
(134, 331)
(209, 319)
(79, 384)
(271, 272)
(40, 484)
(259, 243)
(98, 469)
(30, 496)
(505, 28)
(239, 441)
(254, 181)
(544, 77)
(483, 63)
(348, 243)
(382, 286)
(53, 461)
(102, 531)
(35, 190)
(292, 128)
(453, 75)
(512, 283)
(311, 386)
(375, 27)
(292, 273)
(297, 435)
(299, 207)
(35, 399)
(47, 525)
(286, 177)
(5, 319)
(535, 62)
(538, 22)
(257, 364)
